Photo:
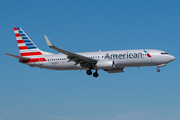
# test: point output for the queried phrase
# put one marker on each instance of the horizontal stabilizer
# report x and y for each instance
(18, 57)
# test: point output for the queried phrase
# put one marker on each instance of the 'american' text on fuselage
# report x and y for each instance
(123, 56)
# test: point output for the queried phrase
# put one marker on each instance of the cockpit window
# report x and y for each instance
(164, 53)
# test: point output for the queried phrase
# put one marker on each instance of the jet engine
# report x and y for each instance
(105, 64)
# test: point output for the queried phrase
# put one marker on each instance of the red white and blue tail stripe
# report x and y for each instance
(26, 47)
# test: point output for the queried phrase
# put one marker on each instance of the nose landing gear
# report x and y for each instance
(162, 65)
(158, 70)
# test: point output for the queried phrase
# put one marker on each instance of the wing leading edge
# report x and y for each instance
(78, 59)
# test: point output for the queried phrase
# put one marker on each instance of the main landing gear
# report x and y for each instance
(89, 72)
(95, 74)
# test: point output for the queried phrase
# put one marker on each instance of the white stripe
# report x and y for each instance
(28, 50)
(36, 56)
(18, 38)
(21, 44)
(16, 31)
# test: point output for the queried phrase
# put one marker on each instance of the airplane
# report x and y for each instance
(109, 61)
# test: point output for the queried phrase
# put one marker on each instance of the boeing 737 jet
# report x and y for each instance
(109, 61)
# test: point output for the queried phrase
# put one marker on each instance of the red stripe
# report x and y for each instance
(20, 41)
(148, 55)
(31, 53)
(34, 60)
(17, 35)
(22, 47)
(15, 28)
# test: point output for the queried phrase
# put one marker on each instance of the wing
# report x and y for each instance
(18, 57)
(78, 59)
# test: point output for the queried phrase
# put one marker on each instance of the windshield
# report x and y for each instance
(164, 53)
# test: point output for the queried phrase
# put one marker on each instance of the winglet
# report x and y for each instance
(48, 41)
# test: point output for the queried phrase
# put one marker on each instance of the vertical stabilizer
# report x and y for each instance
(27, 48)
(25, 44)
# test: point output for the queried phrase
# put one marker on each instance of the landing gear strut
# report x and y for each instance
(161, 65)
(95, 74)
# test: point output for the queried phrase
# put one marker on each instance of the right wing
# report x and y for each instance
(78, 59)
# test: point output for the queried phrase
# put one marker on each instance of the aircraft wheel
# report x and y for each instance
(95, 74)
(89, 72)
(158, 70)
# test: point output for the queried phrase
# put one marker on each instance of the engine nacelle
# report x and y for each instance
(115, 70)
(105, 64)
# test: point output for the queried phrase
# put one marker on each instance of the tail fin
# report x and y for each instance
(25, 44)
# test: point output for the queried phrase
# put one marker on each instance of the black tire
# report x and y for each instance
(89, 72)
(158, 70)
(95, 74)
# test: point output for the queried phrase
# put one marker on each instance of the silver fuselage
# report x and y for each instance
(122, 58)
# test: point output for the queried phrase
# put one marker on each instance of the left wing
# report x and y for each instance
(78, 59)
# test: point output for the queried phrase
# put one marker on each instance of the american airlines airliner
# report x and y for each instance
(109, 61)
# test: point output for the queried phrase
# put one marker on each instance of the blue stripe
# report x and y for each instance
(22, 34)
(28, 44)
(24, 38)
(31, 47)
(27, 41)
(18, 28)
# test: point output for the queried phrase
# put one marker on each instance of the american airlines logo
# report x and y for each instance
(126, 55)
(147, 53)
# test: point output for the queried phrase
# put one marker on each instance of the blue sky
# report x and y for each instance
(80, 26)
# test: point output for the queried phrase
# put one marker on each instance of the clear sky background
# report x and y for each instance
(81, 26)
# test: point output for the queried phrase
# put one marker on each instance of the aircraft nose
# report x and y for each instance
(172, 58)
